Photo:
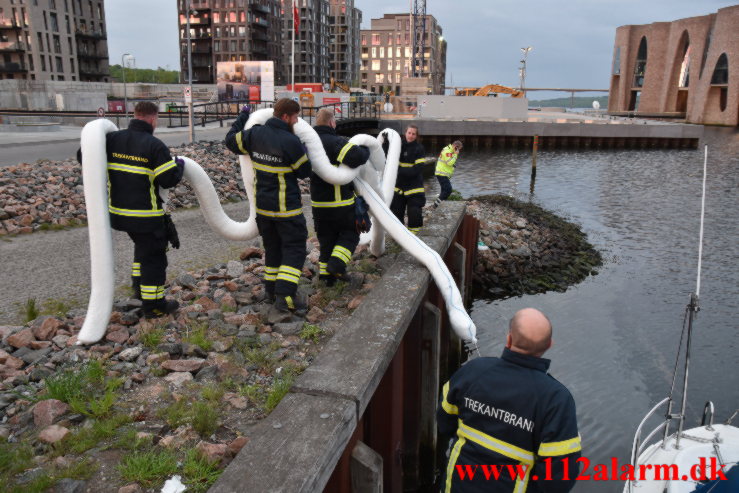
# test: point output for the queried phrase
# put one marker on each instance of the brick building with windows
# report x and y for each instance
(61, 40)
(229, 31)
(387, 53)
(688, 68)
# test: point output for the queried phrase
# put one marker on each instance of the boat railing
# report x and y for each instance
(639, 445)
(707, 415)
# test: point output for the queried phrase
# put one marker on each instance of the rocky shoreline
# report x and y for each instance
(529, 250)
(182, 388)
(49, 194)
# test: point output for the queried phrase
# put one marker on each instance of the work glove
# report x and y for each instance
(362, 221)
(172, 236)
(246, 109)
(179, 162)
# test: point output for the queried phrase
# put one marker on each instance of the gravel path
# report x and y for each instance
(56, 265)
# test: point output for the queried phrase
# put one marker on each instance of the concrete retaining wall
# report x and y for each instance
(297, 447)
(458, 107)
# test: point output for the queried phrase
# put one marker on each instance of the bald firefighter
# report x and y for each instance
(514, 425)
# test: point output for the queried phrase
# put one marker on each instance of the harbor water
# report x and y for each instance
(616, 334)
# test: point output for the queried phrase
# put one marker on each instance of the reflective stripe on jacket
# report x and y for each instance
(278, 159)
(410, 169)
(508, 411)
(446, 162)
(339, 151)
(139, 165)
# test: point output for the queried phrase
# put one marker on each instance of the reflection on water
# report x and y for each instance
(616, 334)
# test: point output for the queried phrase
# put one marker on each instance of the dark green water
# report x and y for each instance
(616, 334)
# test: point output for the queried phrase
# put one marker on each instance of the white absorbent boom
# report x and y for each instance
(374, 181)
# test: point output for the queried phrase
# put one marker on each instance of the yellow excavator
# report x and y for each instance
(338, 85)
(487, 90)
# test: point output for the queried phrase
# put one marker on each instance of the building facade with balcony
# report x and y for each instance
(688, 68)
(61, 40)
(312, 55)
(345, 21)
(228, 31)
(387, 54)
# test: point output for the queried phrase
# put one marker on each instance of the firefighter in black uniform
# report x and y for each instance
(508, 412)
(409, 192)
(333, 205)
(279, 159)
(139, 165)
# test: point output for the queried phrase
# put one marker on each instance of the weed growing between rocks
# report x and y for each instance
(183, 390)
(530, 250)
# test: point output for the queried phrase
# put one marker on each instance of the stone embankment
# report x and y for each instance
(529, 250)
(49, 194)
(182, 388)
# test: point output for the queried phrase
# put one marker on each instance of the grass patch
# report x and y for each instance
(212, 392)
(330, 293)
(200, 474)
(455, 195)
(14, 458)
(365, 266)
(151, 338)
(310, 332)
(148, 467)
(262, 357)
(91, 436)
(257, 394)
(204, 418)
(57, 307)
(74, 383)
(280, 387)
(28, 310)
(175, 414)
(197, 334)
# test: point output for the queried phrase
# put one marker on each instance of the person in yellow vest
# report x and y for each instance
(445, 169)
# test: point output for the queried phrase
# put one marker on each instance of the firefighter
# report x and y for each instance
(139, 165)
(333, 205)
(409, 193)
(445, 169)
(510, 413)
(279, 159)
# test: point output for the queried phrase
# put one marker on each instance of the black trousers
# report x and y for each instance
(446, 187)
(337, 236)
(150, 261)
(284, 252)
(413, 204)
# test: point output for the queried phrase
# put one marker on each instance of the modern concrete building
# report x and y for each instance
(62, 40)
(688, 68)
(229, 30)
(345, 21)
(312, 56)
(387, 54)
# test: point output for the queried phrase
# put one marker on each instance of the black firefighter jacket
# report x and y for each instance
(279, 160)
(339, 151)
(139, 165)
(410, 170)
(509, 412)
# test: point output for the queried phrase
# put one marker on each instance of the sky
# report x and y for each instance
(572, 40)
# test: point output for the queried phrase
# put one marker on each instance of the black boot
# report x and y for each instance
(290, 304)
(160, 308)
(136, 287)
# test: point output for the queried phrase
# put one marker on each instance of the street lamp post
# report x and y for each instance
(522, 70)
(125, 95)
(189, 74)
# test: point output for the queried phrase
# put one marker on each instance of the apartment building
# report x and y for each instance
(387, 54)
(229, 31)
(53, 40)
(345, 22)
(312, 56)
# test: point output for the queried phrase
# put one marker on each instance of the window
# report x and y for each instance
(375, 39)
(397, 51)
(52, 4)
(30, 62)
(375, 64)
(374, 52)
(640, 68)
(69, 28)
(100, 11)
(364, 40)
(71, 63)
(40, 42)
(43, 64)
(382, 52)
(233, 45)
(721, 71)
(57, 44)
(389, 65)
(397, 77)
(407, 52)
(397, 64)
(232, 16)
(59, 65)
(379, 77)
